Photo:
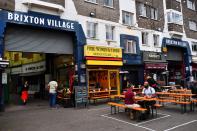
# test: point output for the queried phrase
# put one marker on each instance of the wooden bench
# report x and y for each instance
(184, 105)
(95, 98)
(155, 106)
(65, 101)
(138, 110)
(178, 101)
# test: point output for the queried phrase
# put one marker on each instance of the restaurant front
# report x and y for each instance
(132, 71)
(154, 65)
(103, 66)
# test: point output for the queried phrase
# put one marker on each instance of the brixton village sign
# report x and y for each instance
(39, 19)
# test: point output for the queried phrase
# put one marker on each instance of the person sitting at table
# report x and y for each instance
(130, 101)
(147, 92)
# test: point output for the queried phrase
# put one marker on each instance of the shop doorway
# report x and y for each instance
(37, 55)
(176, 72)
(176, 65)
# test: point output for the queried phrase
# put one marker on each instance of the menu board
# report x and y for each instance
(81, 96)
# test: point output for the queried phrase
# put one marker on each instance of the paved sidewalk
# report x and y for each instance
(38, 116)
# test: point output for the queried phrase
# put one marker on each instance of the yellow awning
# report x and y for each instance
(98, 62)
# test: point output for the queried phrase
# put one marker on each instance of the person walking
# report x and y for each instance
(52, 86)
(24, 92)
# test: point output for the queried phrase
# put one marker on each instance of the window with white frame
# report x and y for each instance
(130, 47)
(110, 32)
(127, 18)
(144, 38)
(194, 46)
(156, 40)
(92, 1)
(142, 10)
(191, 4)
(174, 17)
(154, 13)
(92, 29)
(109, 3)
(193, 25)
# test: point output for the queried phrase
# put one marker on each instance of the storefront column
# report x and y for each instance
(1, 94)
(2, 29)
(79, 56)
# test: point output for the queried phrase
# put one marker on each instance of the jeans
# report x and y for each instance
(52, 99)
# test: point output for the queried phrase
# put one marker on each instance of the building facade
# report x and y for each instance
(42, 41)
(109, 43)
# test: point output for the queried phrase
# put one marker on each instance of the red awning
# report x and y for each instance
(155, 65)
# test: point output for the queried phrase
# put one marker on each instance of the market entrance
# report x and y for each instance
(176, 64)
(37, 55)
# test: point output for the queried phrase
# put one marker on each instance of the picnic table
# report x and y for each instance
(183, 99)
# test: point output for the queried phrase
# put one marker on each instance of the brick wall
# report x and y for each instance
(101, 12)
(144, 22)
(7, 4)
(175, 27)
(188, 15)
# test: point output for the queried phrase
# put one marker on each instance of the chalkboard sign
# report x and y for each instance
(81, 96)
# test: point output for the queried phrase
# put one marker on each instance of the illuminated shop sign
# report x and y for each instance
(99, 51)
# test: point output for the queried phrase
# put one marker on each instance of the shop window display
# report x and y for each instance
(103, 82)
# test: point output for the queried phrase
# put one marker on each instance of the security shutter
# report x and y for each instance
(174, 54)
(26, 39)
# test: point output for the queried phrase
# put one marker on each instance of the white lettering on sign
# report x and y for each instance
(35, 67)
(174, 42)
(40, 21)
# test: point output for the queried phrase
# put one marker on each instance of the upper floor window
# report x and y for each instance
(148, 11)
(130, 47)
(92, 1)
(154, 13)
(144, 38)
(156, 40)
(109, 32)
(192, 25)
(142, 10)
(191, 4)
(127, 18)
(174, 17)
(194, 46)
(109, 3)
(92, 29)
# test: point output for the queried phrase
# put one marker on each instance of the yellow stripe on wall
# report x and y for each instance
(98, 62)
